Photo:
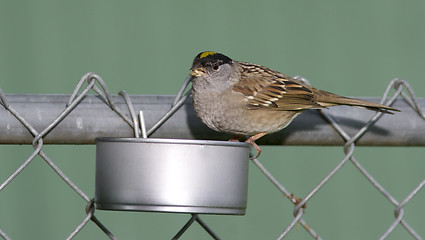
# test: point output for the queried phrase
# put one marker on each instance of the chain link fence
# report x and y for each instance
(95, 83)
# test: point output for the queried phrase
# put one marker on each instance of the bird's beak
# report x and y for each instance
(197, 72)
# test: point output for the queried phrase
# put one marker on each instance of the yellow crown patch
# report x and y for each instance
(206, 54)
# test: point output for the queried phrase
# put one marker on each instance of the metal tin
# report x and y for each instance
(171, 175)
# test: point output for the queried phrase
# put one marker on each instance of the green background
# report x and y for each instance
(146, 47)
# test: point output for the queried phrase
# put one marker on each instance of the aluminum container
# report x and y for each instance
(171, 175)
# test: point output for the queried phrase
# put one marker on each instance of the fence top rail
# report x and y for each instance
(92, 118)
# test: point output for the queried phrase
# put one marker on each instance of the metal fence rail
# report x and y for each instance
(82, 125)
(80, 118)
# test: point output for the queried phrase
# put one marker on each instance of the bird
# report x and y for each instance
(246, 99)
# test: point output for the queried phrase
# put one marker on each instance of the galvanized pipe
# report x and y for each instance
(93, 118)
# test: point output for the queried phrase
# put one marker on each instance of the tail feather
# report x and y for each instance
(328, 99)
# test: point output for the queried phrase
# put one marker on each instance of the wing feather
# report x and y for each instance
(266, 89)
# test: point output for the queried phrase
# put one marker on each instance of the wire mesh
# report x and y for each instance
(95, 83)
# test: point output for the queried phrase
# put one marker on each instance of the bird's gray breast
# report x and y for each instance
(220, 111)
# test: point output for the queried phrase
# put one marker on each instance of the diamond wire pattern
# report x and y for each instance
(349, 147)
(299, 204)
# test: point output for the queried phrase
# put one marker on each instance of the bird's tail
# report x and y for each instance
(328, 99)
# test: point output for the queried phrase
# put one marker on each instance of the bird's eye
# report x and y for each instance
(215, 67)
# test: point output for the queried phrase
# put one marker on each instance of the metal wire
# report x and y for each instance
(4, 235)
(399, 85)
(95, 83)
(76, 98)
(177, 103)
(142, 124)
(195, 217)
(173, 109)
(132, 113)
(38, 144)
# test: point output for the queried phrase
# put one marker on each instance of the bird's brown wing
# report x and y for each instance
(267, 89)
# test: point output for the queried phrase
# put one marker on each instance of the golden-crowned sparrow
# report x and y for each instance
(246, 99)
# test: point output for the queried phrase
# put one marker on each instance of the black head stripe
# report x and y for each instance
(210, 58)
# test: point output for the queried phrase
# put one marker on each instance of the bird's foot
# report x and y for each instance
(251, 140)
(235, 139)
